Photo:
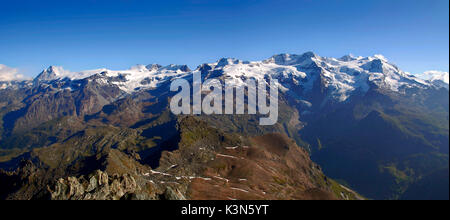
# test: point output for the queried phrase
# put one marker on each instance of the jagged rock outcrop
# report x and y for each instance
(173, 194)
(26, 181)
(100, 186)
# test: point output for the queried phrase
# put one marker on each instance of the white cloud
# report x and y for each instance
(10, 74)
(434, 75)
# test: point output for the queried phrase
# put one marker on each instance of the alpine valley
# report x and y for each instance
(348, 128)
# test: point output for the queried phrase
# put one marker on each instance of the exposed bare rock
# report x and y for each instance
(100, 186)
(173, 194)
(207, 164)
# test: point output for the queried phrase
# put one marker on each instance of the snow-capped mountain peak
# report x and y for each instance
(338, 78)
(380, 57)
(177, 68)
(52, 73)
(135, 78)
(292, 59)
(229, 61)
(153, 67)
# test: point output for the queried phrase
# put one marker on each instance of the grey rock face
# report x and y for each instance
(173, 194)
(99, 187)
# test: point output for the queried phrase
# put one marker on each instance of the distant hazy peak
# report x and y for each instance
(439, 79)
(438, 76)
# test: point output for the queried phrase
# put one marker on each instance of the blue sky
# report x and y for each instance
(89, 34)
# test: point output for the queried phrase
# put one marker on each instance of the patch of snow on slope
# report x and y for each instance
(136, 77)
(339, 77)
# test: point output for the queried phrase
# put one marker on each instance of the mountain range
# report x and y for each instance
(372, 131)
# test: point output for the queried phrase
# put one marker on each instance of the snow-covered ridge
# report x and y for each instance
(340, 76)
(437, 78)
(138, 76)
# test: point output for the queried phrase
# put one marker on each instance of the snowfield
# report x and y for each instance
(341, 77)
